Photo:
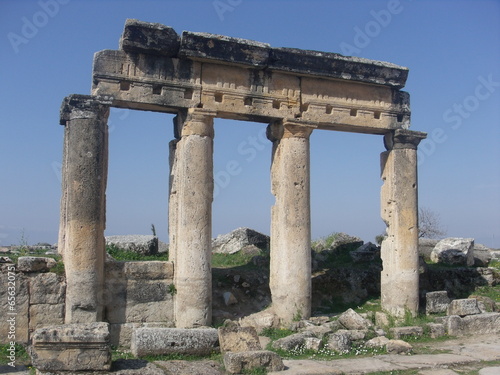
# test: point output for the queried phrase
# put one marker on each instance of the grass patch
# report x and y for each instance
(255, 371)
(232, 260)
(58, 269)
(21, 356)
(276, 333)
(492, 292)
(129, 256)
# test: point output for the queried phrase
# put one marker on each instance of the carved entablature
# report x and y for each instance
(156, 69)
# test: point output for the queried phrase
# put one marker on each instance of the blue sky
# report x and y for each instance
(451, 47)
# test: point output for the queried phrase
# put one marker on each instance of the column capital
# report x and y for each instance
(83, 106)
(289, 129)
(199, 121)
(403, 139)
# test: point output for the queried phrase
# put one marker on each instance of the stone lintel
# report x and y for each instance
(146, 37)
(153, 38)
(224, 49)
(334, 65)
(403, 139)
(87, 106)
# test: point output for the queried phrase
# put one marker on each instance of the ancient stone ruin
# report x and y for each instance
(200, 77)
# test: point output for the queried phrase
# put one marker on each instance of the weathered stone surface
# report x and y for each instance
(339, 342)
(153, 38)
(35, 264)
(318, 331)
(480, 324)
(121, 333)
(482, 255)
(45, 315)
(206, 46)
(399, 281)
(398, 347)
(365, 253)
(159, 341)
(377, 342)
(72, 347)
(138, 292)
(260, 320)
(292, 342)
(83, 204)
(238, 339)
(290, 266)
(238, 239)
(454, 251)
(381, 319)
(406, 332)
(139, 243)
(235, 363)
(313, 343)
(192, 225)
(337, 66)
(463, 307)
(350, 319)
(47, 288)
(436, 330)
(202, 367)
(354, 334)
(436, 302)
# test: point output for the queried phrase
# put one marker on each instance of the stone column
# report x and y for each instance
(399, 210)
(290, 273)
(85, 176)
(194, 194)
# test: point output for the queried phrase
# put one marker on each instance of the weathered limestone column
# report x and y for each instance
(174, 177)
(61, 241)
(85, 176)
(290, 273)
(194, 195)
(399, 210)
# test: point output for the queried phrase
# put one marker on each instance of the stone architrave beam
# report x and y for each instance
(290, 268)
(83, 205)
(156, 69)
(399, 210)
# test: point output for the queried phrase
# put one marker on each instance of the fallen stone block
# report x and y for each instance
(180, 367)
(292, 342)
(313, 343)
(350, 319)
(454, 251)
(436, 330)
(160, 341)
(238, 339)
(436, 302)
(35, 264)
(402, 332)
(236, 363)
(140, 244)
(72, 347)
(354, 334)
(480, 324)
(339, 342)
(238, 239)
(398, 347)
(463, 307)
(153, 38)
(377, 342)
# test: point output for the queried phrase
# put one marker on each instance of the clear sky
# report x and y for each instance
(452, 49)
